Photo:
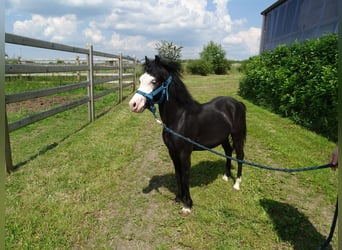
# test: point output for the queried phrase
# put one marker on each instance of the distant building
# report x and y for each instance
(287, 21)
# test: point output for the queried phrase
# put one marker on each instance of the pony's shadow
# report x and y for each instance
(293, 226)
(201, 174)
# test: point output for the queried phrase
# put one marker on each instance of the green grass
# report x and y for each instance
(111, 185)
(37, 138)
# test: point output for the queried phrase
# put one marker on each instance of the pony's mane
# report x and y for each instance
(162, 69)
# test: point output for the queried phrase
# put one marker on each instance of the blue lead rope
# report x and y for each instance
(288, 170)
(332, 228)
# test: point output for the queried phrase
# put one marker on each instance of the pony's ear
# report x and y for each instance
(157, 59)
(146, 59)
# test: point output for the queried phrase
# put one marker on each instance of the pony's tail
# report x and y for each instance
(244, 131)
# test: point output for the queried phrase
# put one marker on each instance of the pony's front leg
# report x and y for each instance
(178, 173)
(187, 203)
(185, 182)
(179, 194)
(181, 162)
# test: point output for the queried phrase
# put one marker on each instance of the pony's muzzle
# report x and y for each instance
(137, 103)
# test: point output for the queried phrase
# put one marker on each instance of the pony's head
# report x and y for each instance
(154, 83)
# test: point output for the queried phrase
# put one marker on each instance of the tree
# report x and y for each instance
(169, 50)
(215, 55)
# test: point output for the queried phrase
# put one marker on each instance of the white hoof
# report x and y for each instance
(186, 210)
(237, 184)
(225, 177)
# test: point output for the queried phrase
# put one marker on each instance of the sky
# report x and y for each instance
(134, 27)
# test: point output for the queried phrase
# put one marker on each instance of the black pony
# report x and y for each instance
(209, 124)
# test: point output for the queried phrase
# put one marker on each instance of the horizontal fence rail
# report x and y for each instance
(99, 68)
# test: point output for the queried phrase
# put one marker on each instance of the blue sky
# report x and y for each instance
(133, 27)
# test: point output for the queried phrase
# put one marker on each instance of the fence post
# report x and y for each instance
(78, 73)
(134, 72)
(90, 76)
(5, 146)
(120, 79)
(8, 151)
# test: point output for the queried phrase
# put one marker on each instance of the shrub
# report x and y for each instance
(297, 81)
(216, 56)
(221, 66)
(199, 67)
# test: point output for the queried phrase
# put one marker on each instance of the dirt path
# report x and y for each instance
(146, 191)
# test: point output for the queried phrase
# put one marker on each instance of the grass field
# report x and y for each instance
(111, 185)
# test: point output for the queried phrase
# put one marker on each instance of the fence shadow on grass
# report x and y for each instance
(47, 148)
(201, 174)
(293, 226)
(52, 145)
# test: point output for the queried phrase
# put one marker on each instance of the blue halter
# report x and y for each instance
(163, 89)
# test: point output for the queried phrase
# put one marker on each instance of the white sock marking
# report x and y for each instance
(237, 184)
(186, 210)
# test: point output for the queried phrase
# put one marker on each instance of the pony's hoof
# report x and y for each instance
(225, 178)
(186, 211)
(236, 187)
(237, 184)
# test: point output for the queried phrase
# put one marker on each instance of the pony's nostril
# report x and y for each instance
(134, 104)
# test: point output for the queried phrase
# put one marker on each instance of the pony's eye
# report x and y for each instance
(154, 82)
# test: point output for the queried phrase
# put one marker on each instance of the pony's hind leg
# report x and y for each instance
(228, 151)
(238, 143)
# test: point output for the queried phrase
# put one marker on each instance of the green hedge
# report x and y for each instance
(297, 81)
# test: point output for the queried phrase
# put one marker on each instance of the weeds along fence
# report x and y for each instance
(92, 68)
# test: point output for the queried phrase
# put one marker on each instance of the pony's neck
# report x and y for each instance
(180, 101)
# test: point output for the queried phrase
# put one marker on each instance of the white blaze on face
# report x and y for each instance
(138, 102)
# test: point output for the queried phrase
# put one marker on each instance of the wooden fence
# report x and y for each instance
(112, 65)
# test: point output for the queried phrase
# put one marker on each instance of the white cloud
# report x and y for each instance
(182, 20)
(250, 39)
(135, 26)
(82, 2)
(30, 27)
(148, 17)
(93, 33)
(134, 43)
(57, 29)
